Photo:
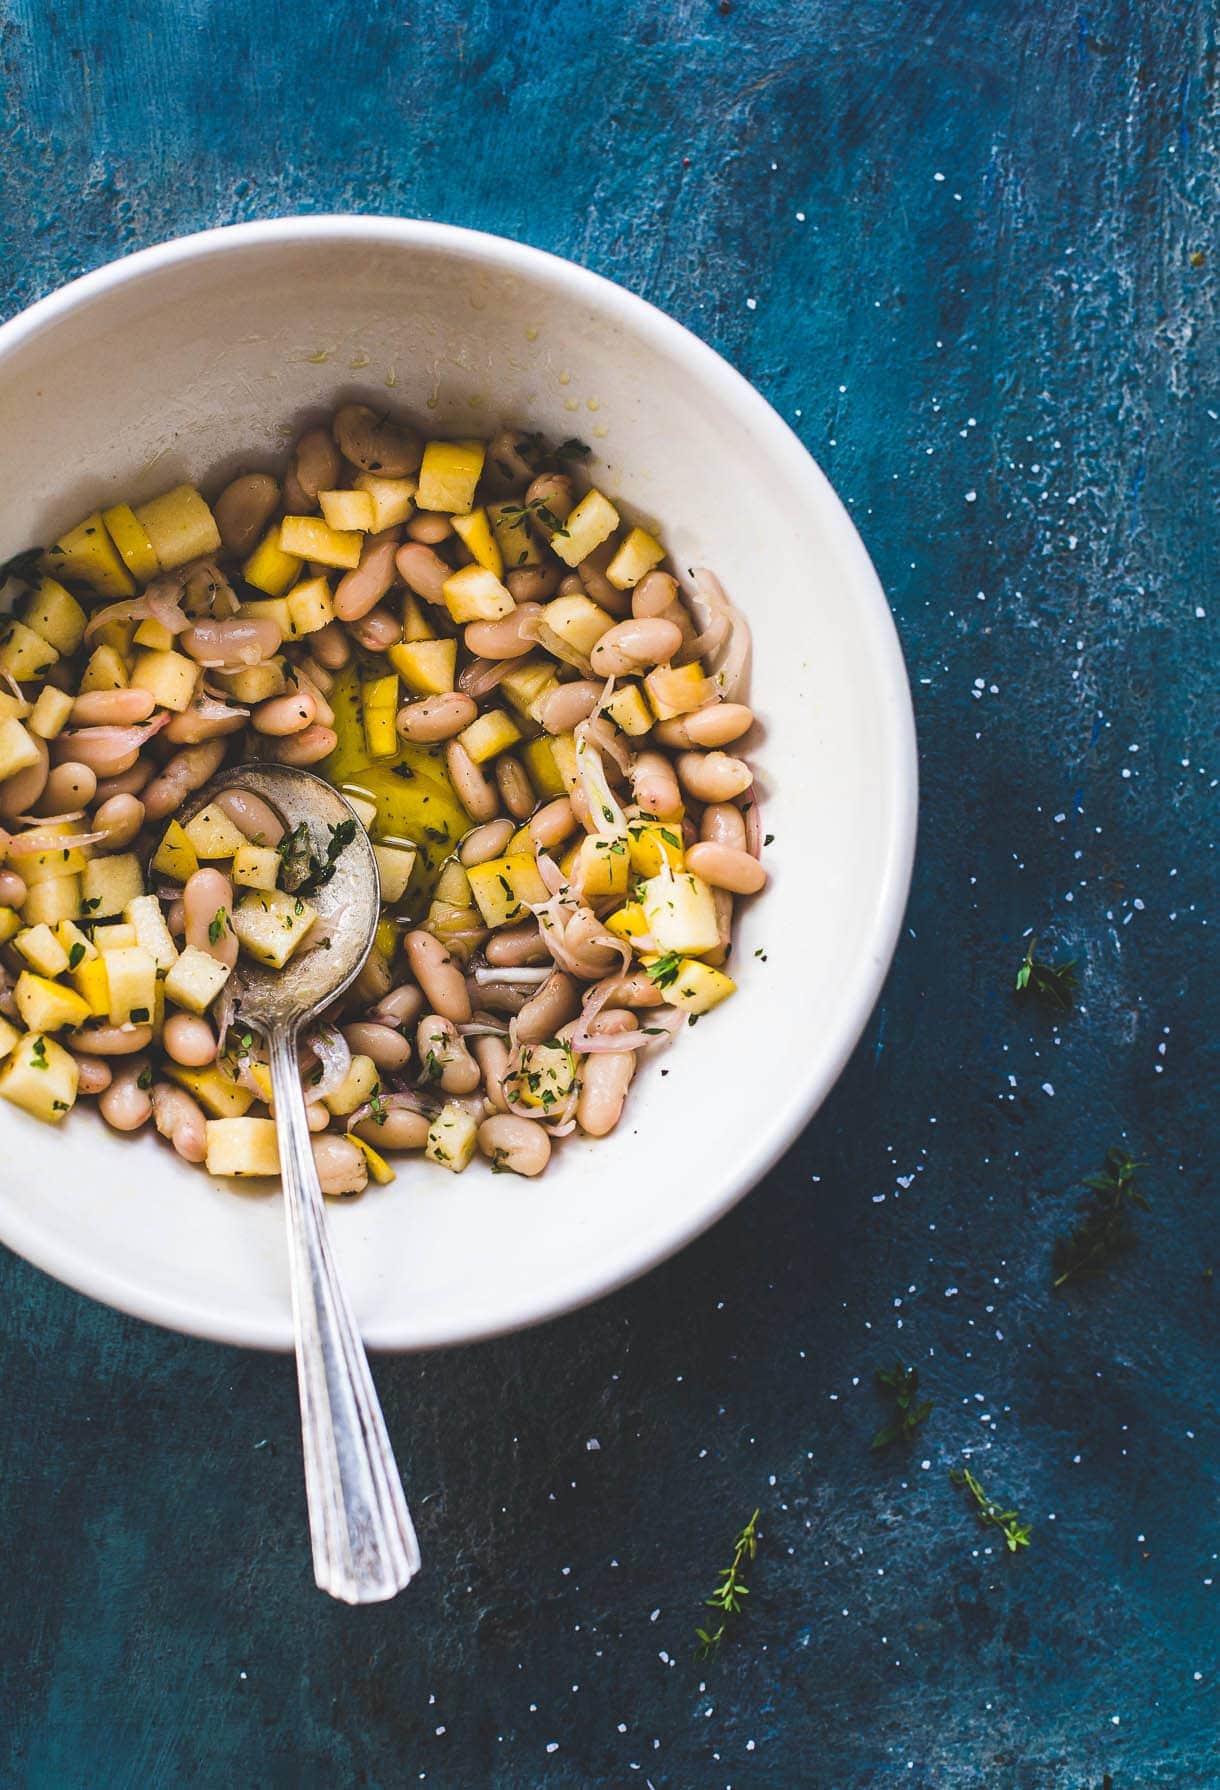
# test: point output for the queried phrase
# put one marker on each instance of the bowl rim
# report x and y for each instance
(898, 770)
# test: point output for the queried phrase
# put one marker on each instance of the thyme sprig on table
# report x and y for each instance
(903, 1382)
(991, 1514)
(1055, 983)
(726, 1599)
(1105, 1229)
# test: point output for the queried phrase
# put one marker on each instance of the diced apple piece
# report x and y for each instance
(131, 976)
(628, 710)
(544, 772)
(474, 532)
(528, 684)
(308, 537)
(213, 834)
(627, 922)
(473, 594)
(50, 902)
(115, 935)
(546, 1076)
(359, 1084)
(55, 613)
(144, 914)
(86, 552)
(176, 857)
(10, 1037)
(379, 706)
(601, 865)
(195, 980)
(179, 526)
(254, 683)
(453, 884)
(271, 924)
(693, 986)
(14, 708)
(488, 734)
(347, 510)
(91, 984)
(449, 475)
(652, 845)
(50, 713)
(310, 605)
(514, 537)
(574, 622)
(24, 654)
(216, 1092)
(42, 950)
(415, 623)
(638, 554)
(10, 924)
(452, 1137)
(394, 865)
(681, 913)
(153, 634)
(427, 667)
(108, 884)
(169, 678)
(503, 886)
(40, 1076)
(363, 803)
(54, 860)
(269, 568)
(270, 609)
(677, 690)
(242, 1147)
(131, 538)
(77, 945)
(106, 670)
(593, 521)
(47, 1006)
(393, 499)
(256, 866)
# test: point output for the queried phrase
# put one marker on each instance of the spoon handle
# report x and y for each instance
(364, 1546)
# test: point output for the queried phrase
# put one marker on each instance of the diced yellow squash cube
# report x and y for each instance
(489, 733)
(514, 537)
(547, 1075)
(256, 866)
(180, 526)
(602, 866)
(379, 706)
(213, 834)
(681, 913)
(386, 938)
(415, 623)
(394, 865)
(214, 1089)
(47, 1006)
(393, 499)
(269, 568)
(270, 609)
(10, 1037)
(638, 554)
(361, 1082)
(77, 945)
(271, 924)
(50, 713)
(14, 708)
(378, 1167)
(574, 622)
(593, 521)
(677, 690)
(308, 537)
(694, 986)
(503, 886)
(116, 935)
(474, 594)
(24, 654)
(452, 1138)
(242, 1147)
(628, 710)
(195, 980)
(563, 751)
(106, 670)
(310, 606)
(527, 683)
(169, 678)
(55, 613)
(108, 884)
(346, 510)
(59, 899)
(41, 1077)
(544, 772)
(131, 976)
(627, 922)
(87, 553)
(474, 532)
(653, 844)
(449, 475)
(176, 857)
(131, 538)
(153, 634)
(144, 913)
(91, 984)
(42, 950)
(427, 667)
(10, 924)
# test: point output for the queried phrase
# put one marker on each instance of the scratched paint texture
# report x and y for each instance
(969, 250)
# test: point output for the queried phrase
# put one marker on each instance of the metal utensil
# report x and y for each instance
(364, 1546)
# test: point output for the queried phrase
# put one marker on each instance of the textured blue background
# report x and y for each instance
(969, 250)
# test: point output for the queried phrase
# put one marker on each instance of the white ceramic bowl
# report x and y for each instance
(204, 354)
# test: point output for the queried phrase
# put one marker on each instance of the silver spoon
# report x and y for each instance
(364, 1546)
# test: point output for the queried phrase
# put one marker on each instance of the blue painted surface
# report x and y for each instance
(980, 242)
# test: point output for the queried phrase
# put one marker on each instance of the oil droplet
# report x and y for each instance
(391, 378)
(531, 334)
(565, 379)
(432, 403)
(593, 403)
(571, 404)
(318, 358)
(477, 402)
(601, 432)
(358, 360)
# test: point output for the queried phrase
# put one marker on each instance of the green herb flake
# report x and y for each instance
(664, 972)
(145, 1077)
(1054, 983)
(909, 1411)
(216, 926)
(727, 1598)
(1105, 1230)
(38, 1054)
(75, 954)
(1016, 1533)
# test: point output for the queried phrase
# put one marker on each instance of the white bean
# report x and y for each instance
(725, 868)
(438, 975)
(377, 443)
(436, 717)
(478, 797)
(519, 1145)
(401, 1129)
(189, 1040)
(186, 772)
(716, 725)
(713, 776)
(251, 815)
(341, 1166)
(556, 1002)
(180, 1119)
(629, 646)
(125, 1105)
(503, 639)
(120, 818)
(483, 843)
(387, 1047)
(308, 747)
(208, 902)
(243, 510)
(443, 1055)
